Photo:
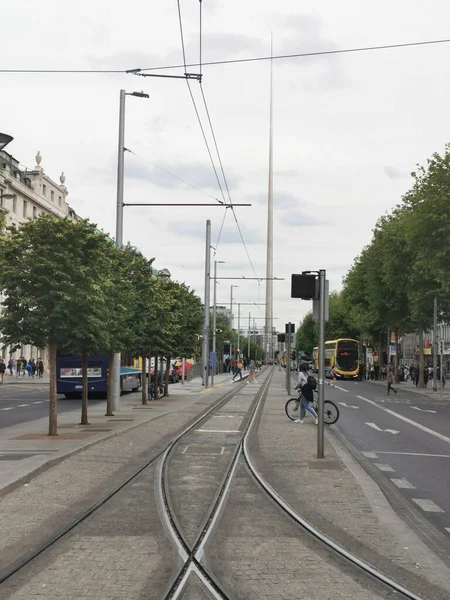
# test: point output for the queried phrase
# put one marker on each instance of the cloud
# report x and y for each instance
(300, 219)
(281, 200)
(393, 172)
(230, 235)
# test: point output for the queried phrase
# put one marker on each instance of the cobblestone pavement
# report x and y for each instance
(327, 495)
(31, 514)
(257, 553)
(120, 552)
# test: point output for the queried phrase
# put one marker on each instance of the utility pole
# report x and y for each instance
(435, 345)
(239, 331)
(288, 358)
(205, 349)
(320, 431)
(248, 347)
(269, 256)
(216, 262)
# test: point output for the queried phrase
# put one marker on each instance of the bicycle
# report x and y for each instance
(330, 414)
(151, 389)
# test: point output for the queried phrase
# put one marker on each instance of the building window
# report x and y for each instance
(59, 200)
(15, 204)
(44, 189)
(24, 209)
(34, 212)
(52, 195)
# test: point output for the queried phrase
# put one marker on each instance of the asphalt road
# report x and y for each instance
(23, 402)
(406, 437)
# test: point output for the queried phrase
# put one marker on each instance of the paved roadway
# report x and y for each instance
(406, 437)
(23, 402)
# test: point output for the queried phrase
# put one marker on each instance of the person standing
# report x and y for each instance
(19, 366)
(2, 369)
(40, 368)
(390, 381)
(11, 364)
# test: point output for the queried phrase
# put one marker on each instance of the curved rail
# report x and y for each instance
(192, 556)
(318, 535)
(28, 558)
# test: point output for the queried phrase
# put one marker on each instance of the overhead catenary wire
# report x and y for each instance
(220, 230)
(236, 60)
(173, 175)
(195, 105)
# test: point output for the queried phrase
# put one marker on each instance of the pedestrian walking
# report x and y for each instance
(251, 372)
(19, 366)
(29, 368)
(443, 376)
(40, 368)
(333, 376)
(390, 381)
(306, 396)
(238, 370)
(2, 369)
(33, 367)
(11, 365)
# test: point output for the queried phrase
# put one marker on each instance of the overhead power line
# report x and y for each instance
(238, 60)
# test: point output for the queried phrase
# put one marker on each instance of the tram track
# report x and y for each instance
(28, 558)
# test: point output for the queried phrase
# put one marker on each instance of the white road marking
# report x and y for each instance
(22, 405)
(347, 405)
(39, 402)
(383, 467)
(7, 408)
(414, 454)
(339, 388)
(413, 423)
(218, 430)
(403, 484)
(447, 529)
(427, 505)
(369, 454)
(375, 426)
(423, 409)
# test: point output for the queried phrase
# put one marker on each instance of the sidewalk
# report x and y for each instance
(408, 386)
(337, 496)
(12, 379)
(26, 449)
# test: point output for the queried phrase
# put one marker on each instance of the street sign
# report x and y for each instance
(286, 327)
(212, 359)
(305, 287)
(327, 305)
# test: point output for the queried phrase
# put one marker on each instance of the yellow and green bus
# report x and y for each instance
(342, 354)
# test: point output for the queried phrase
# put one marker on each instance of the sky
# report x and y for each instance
(348, 128)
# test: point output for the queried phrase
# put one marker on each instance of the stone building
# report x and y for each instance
(26, 194)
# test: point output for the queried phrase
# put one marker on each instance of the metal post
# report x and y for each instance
(115, 396)
(288, 360)
(214, 321)
(388, 350)
(320, 429)
(205, 353)
(239, 331)
(231, 320)
(435, 346)
(248, 348)
(183, 369)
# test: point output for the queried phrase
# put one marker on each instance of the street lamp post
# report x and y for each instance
(216, 262)
(231, 315)
(115, 396)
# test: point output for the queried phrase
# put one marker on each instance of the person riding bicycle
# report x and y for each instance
(306, 395)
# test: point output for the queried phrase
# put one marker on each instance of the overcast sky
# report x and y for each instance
(348, 129)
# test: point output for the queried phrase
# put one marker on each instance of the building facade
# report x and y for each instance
(26, 194)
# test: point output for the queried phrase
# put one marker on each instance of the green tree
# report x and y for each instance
(52, 276)
(306, 337)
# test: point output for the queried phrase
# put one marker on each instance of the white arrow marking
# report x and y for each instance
(347, 405)
(374, 426)
(423, 409)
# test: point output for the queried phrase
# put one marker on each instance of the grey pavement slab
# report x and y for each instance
(40, 451)
(342, 502)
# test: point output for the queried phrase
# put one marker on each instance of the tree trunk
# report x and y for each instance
(396, 357)
(84, 388)
(166, 382)
(109, 410)
(421, 358)
(144, 380)
(155, 379)
(380, 355)
(53, 404)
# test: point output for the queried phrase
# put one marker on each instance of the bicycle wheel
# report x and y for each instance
(291, 407)
(330, 412)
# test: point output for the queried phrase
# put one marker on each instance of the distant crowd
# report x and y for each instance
(230, 365)
(405, 373)
(21, 367)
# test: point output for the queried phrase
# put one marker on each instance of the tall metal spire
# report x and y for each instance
(269, 262)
